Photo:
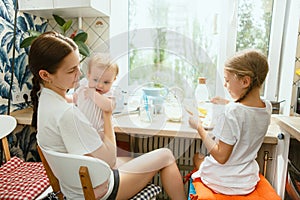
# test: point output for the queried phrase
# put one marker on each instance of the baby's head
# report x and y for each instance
(248, 63)
(101, 72)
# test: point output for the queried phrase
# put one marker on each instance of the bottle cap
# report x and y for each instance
(202, 80)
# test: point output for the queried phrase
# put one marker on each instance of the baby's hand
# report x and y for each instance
(195, 122)
(89, 92)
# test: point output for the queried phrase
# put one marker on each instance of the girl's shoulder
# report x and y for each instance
(234, 108)
(238, 107)
(231, 106)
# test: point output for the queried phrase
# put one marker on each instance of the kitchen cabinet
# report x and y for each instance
(290, 128)
(66, 8)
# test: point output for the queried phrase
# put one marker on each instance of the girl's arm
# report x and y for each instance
(220, 151)
(219, 100)
(104, 103)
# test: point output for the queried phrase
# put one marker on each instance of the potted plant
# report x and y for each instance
(79, 37)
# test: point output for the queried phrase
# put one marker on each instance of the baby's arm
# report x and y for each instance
(105, 103)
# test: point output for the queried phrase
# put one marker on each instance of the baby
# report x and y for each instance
(94, 94)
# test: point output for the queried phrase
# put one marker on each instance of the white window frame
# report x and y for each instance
(277, 27)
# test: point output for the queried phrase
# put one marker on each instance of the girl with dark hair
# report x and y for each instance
(54, 62)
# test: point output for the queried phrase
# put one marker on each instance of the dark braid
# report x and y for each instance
(35, 99)
(46, 53)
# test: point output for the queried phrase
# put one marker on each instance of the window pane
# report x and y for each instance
(173, 42)
(254, 25)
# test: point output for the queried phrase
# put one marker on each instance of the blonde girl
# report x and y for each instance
(231, 168)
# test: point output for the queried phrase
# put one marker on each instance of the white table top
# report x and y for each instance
(131, 124)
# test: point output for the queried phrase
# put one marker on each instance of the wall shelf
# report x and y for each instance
(66, 8)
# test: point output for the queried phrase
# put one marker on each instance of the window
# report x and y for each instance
(215, 28)
(182, 42)
(172, 42)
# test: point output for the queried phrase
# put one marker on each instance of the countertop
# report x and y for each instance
(131, 124)
(23, 116)
(161, 127)
(290, 124)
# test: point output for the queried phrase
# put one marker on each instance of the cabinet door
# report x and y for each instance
(35, 4)
(66, 8)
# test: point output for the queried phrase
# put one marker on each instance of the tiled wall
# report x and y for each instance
(98, 35)
(23, 141)
(97, 29)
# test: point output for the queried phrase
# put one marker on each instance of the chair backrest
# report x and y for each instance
(7, 125)
(67, 167)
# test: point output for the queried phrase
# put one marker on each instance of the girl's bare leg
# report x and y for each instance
(198, 159)
(137, 173)
(172, 182)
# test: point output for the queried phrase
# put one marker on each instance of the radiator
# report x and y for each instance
(182, 148)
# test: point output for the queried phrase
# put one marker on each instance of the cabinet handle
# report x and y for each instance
(280, 136)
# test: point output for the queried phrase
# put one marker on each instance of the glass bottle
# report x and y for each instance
(202, 97)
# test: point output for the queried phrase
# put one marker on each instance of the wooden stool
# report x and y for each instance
(263, 191)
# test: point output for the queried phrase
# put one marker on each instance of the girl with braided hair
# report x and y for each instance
(231, 168)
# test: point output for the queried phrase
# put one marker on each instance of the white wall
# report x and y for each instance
(119, 38)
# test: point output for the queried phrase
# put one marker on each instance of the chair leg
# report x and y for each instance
(52, 179)
(6, 149)
(86, 183)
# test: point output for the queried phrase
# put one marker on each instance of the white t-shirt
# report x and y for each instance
(63, 128)
(245, 128)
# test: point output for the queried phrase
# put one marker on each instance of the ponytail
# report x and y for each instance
(35, 99)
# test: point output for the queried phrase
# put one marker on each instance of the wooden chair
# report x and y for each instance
(52, 179)
(31, 175)
(7, 125)
(63, 167)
